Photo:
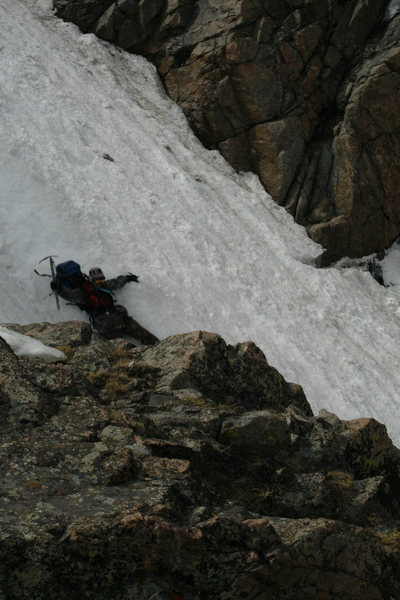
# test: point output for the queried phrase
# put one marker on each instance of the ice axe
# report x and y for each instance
(53, 274)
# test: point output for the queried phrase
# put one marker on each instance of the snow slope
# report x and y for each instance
(211, 248)
(393, 8)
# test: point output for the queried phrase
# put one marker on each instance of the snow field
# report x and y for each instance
(210, 247)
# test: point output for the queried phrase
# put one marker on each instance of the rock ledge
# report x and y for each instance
(189, 470)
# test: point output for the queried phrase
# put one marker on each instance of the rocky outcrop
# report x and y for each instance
(184, 471)
(303, 92)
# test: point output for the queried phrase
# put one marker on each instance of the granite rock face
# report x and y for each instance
(303, 92)
(188, 470)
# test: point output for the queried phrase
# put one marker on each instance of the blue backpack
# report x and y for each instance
(69, 274)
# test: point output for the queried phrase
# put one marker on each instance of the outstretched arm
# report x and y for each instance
(118, 282)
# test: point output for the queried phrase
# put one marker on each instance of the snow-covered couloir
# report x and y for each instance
(212, 250)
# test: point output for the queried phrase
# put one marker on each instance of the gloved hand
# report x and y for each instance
(131, 277)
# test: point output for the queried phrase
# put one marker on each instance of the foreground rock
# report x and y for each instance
(303, 92)
(184, 471)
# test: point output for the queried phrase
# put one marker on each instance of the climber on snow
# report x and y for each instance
(94, 294)
(112, 322)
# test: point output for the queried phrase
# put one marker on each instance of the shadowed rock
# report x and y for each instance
(303, 92)
(162, 472)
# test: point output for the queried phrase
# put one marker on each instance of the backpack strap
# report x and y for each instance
(98, 300)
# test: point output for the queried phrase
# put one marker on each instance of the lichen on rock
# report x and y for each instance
(202, 475)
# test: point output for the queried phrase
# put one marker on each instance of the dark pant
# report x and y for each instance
(133, 328)
(117, 322)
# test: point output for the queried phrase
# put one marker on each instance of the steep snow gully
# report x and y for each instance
(212, 250)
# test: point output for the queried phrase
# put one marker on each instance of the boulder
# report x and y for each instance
(223, 373)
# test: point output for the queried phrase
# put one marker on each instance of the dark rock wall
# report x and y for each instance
(189, 470)
(303, 92)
